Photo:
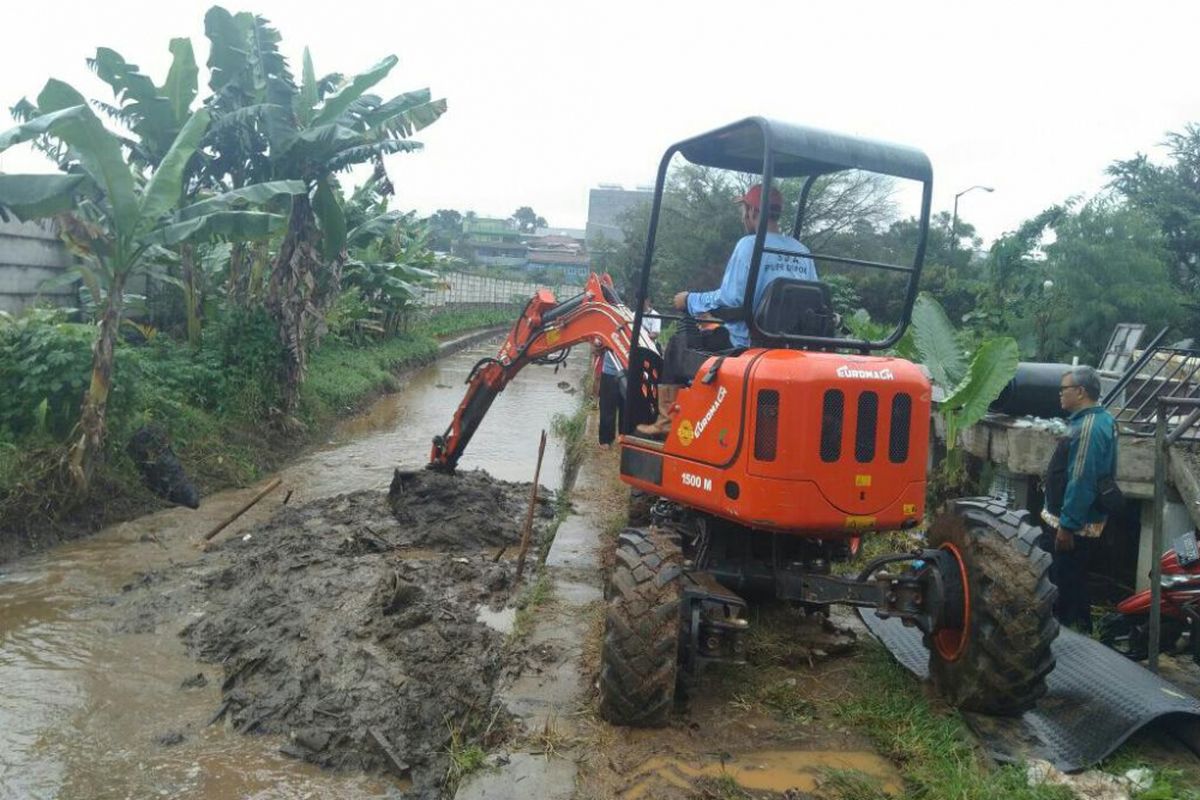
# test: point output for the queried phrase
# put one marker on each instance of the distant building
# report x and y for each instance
(493, 242)
(578, 234)
(564, 250)
(607, 204)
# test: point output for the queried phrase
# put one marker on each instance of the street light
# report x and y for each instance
(954, 221)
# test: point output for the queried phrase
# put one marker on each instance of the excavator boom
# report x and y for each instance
(545, 328)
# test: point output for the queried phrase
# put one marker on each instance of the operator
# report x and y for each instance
(731, 294)
(1080, 492)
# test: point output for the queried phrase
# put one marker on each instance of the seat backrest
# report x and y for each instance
(791, 307)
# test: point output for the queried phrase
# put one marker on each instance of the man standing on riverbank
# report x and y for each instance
(1082, 468)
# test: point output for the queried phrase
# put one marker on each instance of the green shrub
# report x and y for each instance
(45, 364)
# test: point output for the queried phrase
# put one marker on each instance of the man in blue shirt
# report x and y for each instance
(1085, 458)
(732, 293)
(793, 263)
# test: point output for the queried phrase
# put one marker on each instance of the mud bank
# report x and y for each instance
(350, 624)
(37, 523)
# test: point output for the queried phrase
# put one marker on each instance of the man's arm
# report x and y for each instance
(1090, 457)
(733, 284)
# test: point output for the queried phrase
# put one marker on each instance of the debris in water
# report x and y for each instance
(162, 472)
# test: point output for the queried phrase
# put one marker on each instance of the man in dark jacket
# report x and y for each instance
(1083, 460)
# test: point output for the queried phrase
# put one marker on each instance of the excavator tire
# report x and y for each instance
(640, 654)
(640, 503)
(997, 662)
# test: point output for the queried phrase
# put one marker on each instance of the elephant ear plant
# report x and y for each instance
(970, 382)
(117, 214)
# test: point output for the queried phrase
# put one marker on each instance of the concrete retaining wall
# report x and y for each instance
(30, 254)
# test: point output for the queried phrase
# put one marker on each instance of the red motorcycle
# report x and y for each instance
(1127, 630)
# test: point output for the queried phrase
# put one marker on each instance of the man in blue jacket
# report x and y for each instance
(1084, 459)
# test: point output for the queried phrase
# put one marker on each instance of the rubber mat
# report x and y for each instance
(1095, 700)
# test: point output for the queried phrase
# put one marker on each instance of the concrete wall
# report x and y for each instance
(30, 253)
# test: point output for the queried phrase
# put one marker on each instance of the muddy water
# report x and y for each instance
(89, 709)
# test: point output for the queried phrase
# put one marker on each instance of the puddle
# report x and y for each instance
(84, 703)
(766, 770)
(502, 620)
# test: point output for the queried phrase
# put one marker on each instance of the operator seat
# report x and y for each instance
(792, 307)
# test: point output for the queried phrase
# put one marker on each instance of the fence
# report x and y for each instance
(462, 289)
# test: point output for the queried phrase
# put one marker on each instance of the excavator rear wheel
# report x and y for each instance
(640, 654)
(997, 660)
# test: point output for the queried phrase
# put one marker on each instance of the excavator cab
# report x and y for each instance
(774, 150)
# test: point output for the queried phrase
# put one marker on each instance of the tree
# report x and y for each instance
(445, 229)
(308, 132)
(1109, 263)
(528, 221)
(1170, 195)
(156, 114)
(117, 223)
(700, 223)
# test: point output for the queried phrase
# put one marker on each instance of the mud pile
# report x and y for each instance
(350, 624)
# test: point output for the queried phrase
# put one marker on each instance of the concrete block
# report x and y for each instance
(525, 776)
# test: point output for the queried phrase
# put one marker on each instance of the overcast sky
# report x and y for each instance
(548, 99)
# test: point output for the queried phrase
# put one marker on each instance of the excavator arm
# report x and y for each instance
(546, 327)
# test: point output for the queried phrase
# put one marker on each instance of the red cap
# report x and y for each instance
(753, 198)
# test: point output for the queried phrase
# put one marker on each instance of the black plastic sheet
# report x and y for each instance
(1095, 700)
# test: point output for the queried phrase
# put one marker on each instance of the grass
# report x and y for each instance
(572, 429)
(848, 784)
(466, 757)
(452, 322)
(930, 745)
(533, 598)
(1167, 783)
(341, 376)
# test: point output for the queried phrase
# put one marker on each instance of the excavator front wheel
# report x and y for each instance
(996, 656)
(640, 654)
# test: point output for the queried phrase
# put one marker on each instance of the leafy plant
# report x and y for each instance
(937, 342)
(991, 368)
(970, 386)
(116, 220)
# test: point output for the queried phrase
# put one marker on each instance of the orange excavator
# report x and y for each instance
(781, 456)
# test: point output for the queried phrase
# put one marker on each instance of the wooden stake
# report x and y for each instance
(525, 534)
(270, 487)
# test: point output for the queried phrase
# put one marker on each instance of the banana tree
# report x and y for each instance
(310, 131)
(116, 219)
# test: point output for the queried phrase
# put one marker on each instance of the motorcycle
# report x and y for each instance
(1127, 630)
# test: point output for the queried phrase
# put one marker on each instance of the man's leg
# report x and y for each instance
(674, 373)
(609, 404)
(1069, 573)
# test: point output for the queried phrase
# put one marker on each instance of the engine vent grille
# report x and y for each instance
(868, 421)
(766, 425)
(833, 409)
(898, 435)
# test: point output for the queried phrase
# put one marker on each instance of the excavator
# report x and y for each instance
(781, 457)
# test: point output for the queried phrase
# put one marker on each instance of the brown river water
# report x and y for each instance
(88, 709)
